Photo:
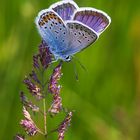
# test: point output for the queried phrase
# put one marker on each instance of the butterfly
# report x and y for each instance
(68, 29)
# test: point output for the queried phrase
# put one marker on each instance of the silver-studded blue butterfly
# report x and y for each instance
(68, 29)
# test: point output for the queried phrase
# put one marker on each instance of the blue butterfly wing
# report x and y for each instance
(52, 30)
(93, 18)
(65, 9)
(80, 37)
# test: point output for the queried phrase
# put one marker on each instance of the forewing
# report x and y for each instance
(65, 9)
(93, 18)
(80, 37)
(52, 29)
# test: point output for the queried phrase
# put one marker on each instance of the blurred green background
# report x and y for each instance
(106, 98)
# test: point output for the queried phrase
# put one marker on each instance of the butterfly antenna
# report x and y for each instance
(75, 70)
(82, 66)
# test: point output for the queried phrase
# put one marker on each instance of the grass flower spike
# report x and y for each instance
(40, 88)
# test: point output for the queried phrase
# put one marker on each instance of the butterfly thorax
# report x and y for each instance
(59, 54)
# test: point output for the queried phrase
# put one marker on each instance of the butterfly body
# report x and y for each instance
(68, 29)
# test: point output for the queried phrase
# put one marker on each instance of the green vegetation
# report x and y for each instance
(106, 97)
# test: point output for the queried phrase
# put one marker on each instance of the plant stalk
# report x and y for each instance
(45, 117)
(44, 104)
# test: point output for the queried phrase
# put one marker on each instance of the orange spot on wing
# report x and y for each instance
(41, 23)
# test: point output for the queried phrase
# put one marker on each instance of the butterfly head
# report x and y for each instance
(67, 58)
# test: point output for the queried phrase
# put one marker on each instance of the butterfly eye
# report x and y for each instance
(67, 58)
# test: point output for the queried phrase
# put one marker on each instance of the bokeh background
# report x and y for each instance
(106, 99)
